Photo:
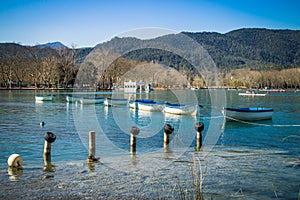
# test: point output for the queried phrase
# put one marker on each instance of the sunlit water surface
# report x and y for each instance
(238, 160)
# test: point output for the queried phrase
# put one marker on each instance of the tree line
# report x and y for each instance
(23, 66)
(251, 58)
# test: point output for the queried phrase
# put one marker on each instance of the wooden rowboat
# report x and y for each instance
(151, 106)
(49, 97)
(181, 109)
(247, 114)
(96, 100)
(115, 102)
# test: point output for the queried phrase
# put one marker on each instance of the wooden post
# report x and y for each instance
(92, 148)
(168, 130)
(92, 143)
(134, 131)
(49, 138)
(199, 127)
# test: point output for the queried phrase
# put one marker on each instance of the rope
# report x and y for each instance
(258, 124)
(252, 123)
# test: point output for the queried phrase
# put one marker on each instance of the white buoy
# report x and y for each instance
(15, 160)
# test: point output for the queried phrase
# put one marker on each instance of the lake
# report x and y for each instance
(243, 160)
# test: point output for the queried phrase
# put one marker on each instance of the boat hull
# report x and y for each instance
(71, 99)
(44, 98)
(250, 94)
(181, 109)
(153, 107)
(247, 114)
(115, 102)
(91, 100)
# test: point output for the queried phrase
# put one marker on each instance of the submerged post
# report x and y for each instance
(199, 127)
(49, 138)
(168, 130)
(134, 131)
(92, 148)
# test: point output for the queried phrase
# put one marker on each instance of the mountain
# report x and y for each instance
(237, 54)
(52, 45)
(251, 47)
(257, 49)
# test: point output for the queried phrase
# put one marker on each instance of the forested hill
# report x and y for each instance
(256, 51)
(259, 49)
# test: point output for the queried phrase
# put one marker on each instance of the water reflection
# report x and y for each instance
(14, 173)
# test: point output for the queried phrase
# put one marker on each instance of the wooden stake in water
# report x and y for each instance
(168, 130)
(199, 127)
(92, 148)
(134, 131)
(49, 138)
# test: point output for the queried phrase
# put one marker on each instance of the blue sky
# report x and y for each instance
(89, 22)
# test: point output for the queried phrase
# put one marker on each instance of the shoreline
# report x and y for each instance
(155, 89)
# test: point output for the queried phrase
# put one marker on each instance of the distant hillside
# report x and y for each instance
(237, 54)
(52, 45)
(258, 49)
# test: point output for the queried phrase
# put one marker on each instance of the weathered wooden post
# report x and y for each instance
(49, 138)
(168, 130)
(134, 131)
(199, 127)
(92, 148)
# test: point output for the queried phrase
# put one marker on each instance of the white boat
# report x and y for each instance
(252, 93)
(115, 102)
(88, 100)
(134, 103)
(49, 97)
(71, 99)
(247, 114)
(181, 109)
(151, 106)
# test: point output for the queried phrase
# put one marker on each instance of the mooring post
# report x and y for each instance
(134, 131)
(199, 127)
(168, 130)
(92, 148)
(49, 138)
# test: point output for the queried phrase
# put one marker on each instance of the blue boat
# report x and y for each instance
(247, 114)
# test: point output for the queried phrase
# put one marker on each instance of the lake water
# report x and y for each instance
(240, 160)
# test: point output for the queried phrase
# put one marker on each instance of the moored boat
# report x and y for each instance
(88, 100)
(181, 109)
(71, 99)
(150, 106)
(252, 93)
(49, 97)
(247, 114)
(115, 102)
(134, 103)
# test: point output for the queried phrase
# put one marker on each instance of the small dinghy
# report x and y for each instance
(96, 100)
(115, 102)
(247, 114)
(181, 109)
(49, 97)
(150, 106)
